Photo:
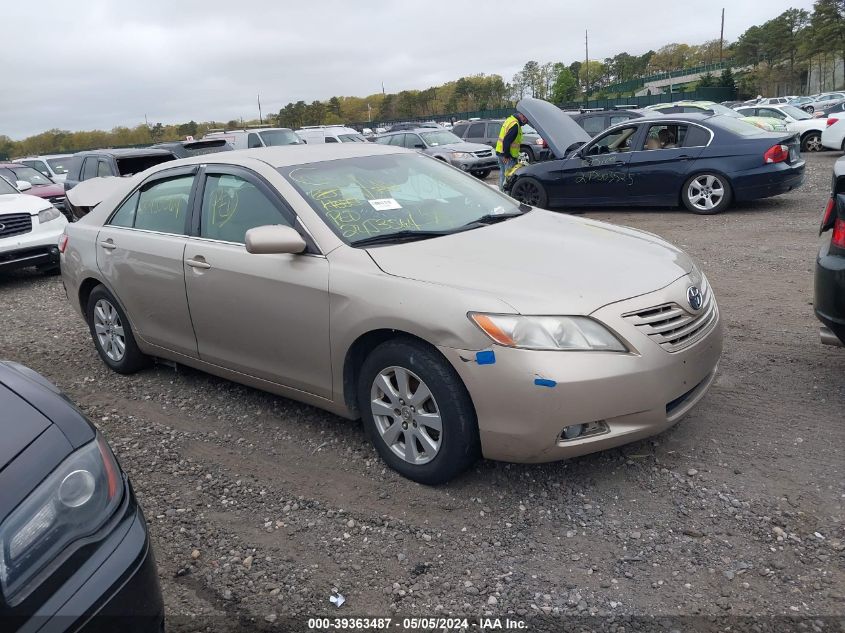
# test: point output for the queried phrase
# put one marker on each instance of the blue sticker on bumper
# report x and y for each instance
(545, 382)
(487, 357)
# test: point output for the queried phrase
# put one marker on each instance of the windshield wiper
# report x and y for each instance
(493, 218)
(399, 236)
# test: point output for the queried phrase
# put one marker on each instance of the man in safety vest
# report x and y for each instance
(507, 147)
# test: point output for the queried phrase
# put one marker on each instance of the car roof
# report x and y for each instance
(414, 129)
(124, 152)
(43, 156)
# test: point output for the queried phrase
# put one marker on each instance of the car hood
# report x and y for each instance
(463, 146)
(21, 203)
(555, 127)
(91, 192)
(47, 191)
(542, 262)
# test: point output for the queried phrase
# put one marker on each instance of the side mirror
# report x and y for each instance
(23, 185)
(274, 239)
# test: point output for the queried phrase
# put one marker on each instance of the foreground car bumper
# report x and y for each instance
(767, 181)
(39, 247)
(121, 593)
(35, 256)
(526, 399)
(829, 303)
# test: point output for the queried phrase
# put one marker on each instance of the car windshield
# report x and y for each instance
(59, 165)
(795, 113)
(30, 175)
(5, 187)
(280, 137)
(359, 198)
(444, 137)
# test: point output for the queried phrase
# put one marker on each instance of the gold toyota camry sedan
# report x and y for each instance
(381, 284)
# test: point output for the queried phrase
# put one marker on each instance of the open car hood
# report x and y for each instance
(555, 127)
(90, 193)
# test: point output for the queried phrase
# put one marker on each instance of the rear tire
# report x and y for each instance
(417, 412)
(112, 333)
(531, 192)
(706, 194)
(809, 109)
(812, 142)
(526, 155)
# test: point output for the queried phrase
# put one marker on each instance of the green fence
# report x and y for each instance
(635, 84)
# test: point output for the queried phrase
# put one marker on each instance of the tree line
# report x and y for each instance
(773, 57)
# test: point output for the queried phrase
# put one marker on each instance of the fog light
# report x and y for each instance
(580, 431)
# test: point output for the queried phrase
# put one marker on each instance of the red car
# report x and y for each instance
(42, 186)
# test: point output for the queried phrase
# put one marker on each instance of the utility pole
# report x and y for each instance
(722, 37)
(587, 62)
(260, 119)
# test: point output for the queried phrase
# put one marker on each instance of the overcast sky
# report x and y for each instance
(103, 63)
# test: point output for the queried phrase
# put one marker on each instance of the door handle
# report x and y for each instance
(684, 157)
(108, 245)
(198, 262)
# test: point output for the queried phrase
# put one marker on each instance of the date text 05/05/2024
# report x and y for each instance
(411, 624)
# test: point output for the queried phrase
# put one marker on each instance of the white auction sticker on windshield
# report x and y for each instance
(384, 204)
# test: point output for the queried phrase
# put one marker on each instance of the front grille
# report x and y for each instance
(15, 224)
(485, 153)
(674, 327)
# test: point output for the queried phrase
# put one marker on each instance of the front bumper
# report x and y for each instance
(524, 400)
(829, 303)
(39, 247)
(767, 181)
(475, 163)
(116, 589)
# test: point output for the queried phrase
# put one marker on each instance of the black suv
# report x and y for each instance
(113, 162)
(596, 121)
(830, 264)
(532, 149)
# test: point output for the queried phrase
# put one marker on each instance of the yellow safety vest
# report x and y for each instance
(506, 126)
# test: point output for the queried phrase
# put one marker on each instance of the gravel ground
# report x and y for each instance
(260, 507)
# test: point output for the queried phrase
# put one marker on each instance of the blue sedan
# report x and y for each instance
(700, 161)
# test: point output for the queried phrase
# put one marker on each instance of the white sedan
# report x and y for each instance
(30, 228)
(797, 120)
(833, 136)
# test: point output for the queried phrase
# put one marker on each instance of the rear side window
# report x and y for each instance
(383, 140)
(125, 215)
(75, 169)
(476, 130)
(253, 141)
(103, 169)
(696, 137)
(331, 139)
(163, 205)
(89, 170)
(493, 130)
(593, 125)
(398, 140)
(136, 164)
(619, 118)
(232, 205)
(460, 129)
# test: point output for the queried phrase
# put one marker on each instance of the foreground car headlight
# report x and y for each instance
(548, 332)
(48, 215)
(461, 155)
(73, 502)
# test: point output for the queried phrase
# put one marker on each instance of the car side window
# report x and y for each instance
(232, 205)
(103, 169)
(412, 140)
(493, 130)
(398, 140)
(696, 137)
(383, 140)
(669, 136)
(593, 124)
(476, 130)
(89, 169)
(163, 205)
(37, 164)
(458, 130)
(330, 139)
(619, 118)
(613, 142)
(125, 215)
(770, 112)
(253, 141)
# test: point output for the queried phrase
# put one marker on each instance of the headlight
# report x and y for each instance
(73, 502)
(539, 141)
(461, 155)
(548, 332)
(47, 215)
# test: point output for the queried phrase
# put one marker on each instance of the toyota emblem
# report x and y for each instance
(694, 297)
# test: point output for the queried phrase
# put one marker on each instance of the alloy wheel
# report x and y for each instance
(406, 415)
(813, 143)
(109, 330)
(706, 192)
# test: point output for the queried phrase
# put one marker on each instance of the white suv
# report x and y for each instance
(30, 228)
(53, 166)
(257, 137)
(330, 134)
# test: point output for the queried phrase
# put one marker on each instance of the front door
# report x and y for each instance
(262, 315)
(140, 251)
(596, 175)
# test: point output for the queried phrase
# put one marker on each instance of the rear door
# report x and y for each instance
(658, 169)
(140, 252)
(262, 315)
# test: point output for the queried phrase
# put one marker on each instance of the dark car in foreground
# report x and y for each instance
(186, 149)
(113, 162)
(830, 264)
(74, 550)
(701, 161)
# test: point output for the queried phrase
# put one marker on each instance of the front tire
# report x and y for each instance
(481, 174)
(812, 142)
(706, 194)
(417, 412)
(531, 192)
(112, 333)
